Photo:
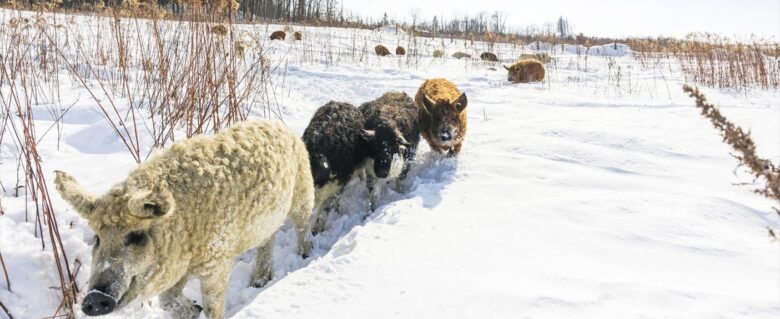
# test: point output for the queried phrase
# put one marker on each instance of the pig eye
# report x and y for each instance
(137, 238)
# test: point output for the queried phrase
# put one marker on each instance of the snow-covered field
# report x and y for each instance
(600, 193)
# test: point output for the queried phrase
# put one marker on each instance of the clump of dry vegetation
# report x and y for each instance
(219, 29)
(161, 79)
(26, 69)
(717, 61)
(740, 141)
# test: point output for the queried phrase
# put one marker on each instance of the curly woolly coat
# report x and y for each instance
(336, 142)
(190, 210)
(442, 115)
(525, 71)
(393, 118)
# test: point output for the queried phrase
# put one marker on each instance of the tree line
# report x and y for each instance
(329, 12)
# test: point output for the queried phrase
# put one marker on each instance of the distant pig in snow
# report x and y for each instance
(188, 212)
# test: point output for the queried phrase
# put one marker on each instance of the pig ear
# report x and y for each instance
(427, 103)
(71, 192)
(399, 137)
(155, 203)
(461, 102)
(368, 135)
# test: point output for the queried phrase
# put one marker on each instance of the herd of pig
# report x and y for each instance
(379, 139)
(187, 212)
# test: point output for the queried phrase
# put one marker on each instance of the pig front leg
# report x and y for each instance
(264, 263)
(300, 213)
(399, 182)
(213, 288)
(370, 178)
(178, 306)
(455, 150)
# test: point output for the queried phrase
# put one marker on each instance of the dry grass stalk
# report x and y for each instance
(168, 78)
(5, 271)
(741, 142)
(7, 313)
(717, 61)
(25, 73)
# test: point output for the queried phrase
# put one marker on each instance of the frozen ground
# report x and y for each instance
(584, 197)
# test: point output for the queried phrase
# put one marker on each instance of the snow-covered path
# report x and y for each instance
(561, 205)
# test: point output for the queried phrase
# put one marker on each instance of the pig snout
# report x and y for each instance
(445, 135)
(98, 302)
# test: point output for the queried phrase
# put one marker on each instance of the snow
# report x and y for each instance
(538, 46)
(600, 193)
(572, 48)
(392, 29)
(612, 49)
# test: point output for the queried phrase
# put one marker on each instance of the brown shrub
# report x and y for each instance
(298, 36)
(490, 37)
(400, 51)
(438, 53)
(219, 29)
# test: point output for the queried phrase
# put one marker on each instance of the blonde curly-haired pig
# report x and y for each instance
(189, 211)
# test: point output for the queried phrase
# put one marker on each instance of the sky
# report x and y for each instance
(607, 18)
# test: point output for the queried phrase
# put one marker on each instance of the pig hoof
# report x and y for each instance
(183, 311)
(305, 249)
(261, 282)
